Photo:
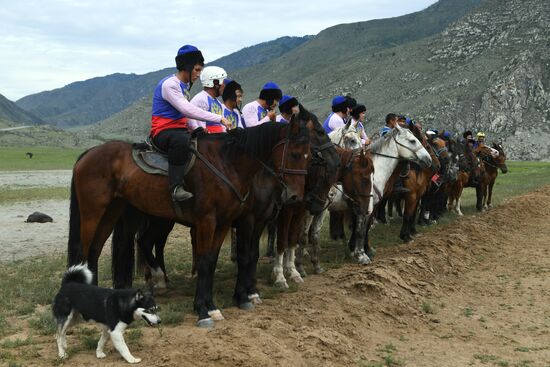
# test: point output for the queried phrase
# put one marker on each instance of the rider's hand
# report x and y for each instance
(226, 123)
(272, 115)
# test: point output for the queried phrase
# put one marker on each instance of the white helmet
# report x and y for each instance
(211, 73)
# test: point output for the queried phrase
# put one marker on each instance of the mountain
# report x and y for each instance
(9, 111)
(89, 101)
(320, 57)
(486, 71)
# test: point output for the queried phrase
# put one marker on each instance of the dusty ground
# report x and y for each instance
(18, 239)
(475, 293)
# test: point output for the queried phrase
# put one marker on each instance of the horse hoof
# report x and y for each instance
(297, 279)
(302, 271)
(247, 306)
(206, 323)
(319, 270)
(282, 284)
(216, 315)
(364, 260)
(255, 299)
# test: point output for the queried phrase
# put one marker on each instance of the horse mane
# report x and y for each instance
(256, 141)
(376, 145)
(306, 115)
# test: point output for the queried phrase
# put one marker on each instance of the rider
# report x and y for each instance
(358, 119)
(480, 140)
(212, 78)
(392, 120)
(232, 97)
(339, 113)
(170, 113)
(263, 109)
(288, 106)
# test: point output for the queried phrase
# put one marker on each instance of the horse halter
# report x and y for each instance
(348, 167)
(317, 159)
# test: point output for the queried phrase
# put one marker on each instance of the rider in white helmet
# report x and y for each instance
(212, 78)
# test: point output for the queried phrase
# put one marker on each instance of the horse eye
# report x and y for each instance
(412, 141)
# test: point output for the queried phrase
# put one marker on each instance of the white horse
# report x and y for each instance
(386, 152)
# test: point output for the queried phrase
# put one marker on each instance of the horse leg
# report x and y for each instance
(490, 193)
(293, 236)
(314, 232)
(479, 197)
(164, 227)
(410, 206)
(283, 225)
(208, 243)
(95, 230)
(271, 236)
(122, 248)
(360, 230)
(390, 208)
(243, 232)
(302, 243)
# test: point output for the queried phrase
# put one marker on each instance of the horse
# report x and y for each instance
(106, 182)
(396, 146)
(433, 202)
(492, 160)
(354, 189)
(261, 207)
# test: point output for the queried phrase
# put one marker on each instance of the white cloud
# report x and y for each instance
(50, 43)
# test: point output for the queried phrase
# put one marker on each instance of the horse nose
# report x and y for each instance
(292, 199)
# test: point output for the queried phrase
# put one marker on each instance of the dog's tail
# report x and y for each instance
(78, 274)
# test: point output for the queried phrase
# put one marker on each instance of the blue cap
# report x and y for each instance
(447, 134)
(408, 121)
(270, 85)
(385, 130)
(285, 99)
(187, 49)
(227, 81)
(338, 100)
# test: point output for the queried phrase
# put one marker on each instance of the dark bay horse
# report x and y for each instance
(261, 207)
(106, 181)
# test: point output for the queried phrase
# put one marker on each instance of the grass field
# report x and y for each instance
(28, 286)
(15, 159)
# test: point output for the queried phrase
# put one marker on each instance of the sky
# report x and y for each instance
(47, 44)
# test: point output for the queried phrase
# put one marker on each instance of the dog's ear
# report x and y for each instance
(139, 295)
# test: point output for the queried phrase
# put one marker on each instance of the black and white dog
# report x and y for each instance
(113, 308)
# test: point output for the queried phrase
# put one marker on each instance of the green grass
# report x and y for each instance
(32, 194)
(15, 159)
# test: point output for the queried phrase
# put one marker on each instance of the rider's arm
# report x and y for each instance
(203, 105)
(250, 116)
(172, 93)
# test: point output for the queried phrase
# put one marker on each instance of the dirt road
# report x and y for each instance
(473, 293)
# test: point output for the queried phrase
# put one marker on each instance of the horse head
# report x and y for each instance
(500, 160)
(409, 147)
(291, 155)
(323, 165)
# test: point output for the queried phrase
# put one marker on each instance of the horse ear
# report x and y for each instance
(139, 295)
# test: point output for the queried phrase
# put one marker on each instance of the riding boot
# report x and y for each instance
(175, 177)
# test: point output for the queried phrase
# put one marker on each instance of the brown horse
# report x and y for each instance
(355, 173)
(492, 163)
(417, 182)
(105, 180)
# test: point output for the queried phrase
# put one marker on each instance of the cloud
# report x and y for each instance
(50, 43)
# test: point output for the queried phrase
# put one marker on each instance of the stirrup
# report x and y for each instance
(400, 190)
(179, 194)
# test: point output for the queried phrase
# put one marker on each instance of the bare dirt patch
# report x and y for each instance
(475, 292)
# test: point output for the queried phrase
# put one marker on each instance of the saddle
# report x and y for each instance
(153, 160)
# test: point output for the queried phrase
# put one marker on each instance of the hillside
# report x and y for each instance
(9, 111)
(487, 71)
(89, 101)
(311, 60)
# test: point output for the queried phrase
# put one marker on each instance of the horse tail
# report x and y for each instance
(74, 247)
(122, 250)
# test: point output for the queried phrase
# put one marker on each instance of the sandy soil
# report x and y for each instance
(474, 293)
(18, 239)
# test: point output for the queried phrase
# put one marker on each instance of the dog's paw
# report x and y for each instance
(100, 355)
(134, 360)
